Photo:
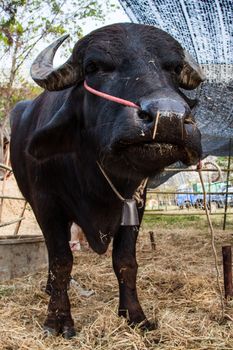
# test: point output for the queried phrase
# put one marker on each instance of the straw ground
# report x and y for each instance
(176, 285)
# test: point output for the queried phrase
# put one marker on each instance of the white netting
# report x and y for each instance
(205, 29)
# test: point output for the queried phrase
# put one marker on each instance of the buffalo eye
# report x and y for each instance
(91, 68)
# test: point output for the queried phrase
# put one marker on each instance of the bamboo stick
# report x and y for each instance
(4, 181)
(11, 197)
(19, 223)
(5, 167)
(11, 222)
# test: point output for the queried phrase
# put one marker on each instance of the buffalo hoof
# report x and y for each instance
(48, 331)
(68, 332)
(145, 325)
(148, 326)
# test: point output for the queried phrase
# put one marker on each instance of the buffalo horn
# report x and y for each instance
(53, 79)
(191, 75)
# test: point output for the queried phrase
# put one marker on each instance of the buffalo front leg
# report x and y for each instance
(125, 267)
(59, 318)
(56, 233)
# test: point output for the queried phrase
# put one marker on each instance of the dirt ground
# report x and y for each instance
(176, 286)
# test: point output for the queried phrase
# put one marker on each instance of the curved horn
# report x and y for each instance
(53, 79)
(191, 75)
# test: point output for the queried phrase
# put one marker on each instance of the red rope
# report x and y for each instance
(110, 97)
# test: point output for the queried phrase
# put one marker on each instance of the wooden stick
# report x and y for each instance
(19, 223)
(4, 182)
(212, 240)
(5, 167)
(155, 125)
(227, 270)
(11, 197)
(152, 240)
(11, 222)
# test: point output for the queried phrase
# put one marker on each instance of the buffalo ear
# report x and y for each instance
(57, 137)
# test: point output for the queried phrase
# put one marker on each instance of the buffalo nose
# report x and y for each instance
(174, 116)
(165, 106)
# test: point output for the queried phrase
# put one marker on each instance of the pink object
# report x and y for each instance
(110, 97)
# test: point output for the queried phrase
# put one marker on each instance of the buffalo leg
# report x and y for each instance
(125, 267)
(56, 233)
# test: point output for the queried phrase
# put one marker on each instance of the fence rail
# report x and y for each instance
(160, 213)
(185, 192)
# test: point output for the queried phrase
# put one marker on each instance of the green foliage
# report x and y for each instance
(6, 291)
(10, 96)
(151, 221)
(24, 23)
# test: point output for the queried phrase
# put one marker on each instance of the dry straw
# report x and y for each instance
(176, 285)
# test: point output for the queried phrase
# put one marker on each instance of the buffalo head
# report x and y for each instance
(139, 63)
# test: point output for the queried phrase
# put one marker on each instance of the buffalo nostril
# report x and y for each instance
(145, 116)
(188, 126)
(189, 120)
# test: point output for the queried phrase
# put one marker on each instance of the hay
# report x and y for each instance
(176, 284)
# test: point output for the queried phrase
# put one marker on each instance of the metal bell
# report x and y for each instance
(129, 213)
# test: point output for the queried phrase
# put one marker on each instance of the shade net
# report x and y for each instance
(205, 29)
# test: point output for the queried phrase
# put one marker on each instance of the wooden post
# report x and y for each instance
(227, 270)
(152, 240)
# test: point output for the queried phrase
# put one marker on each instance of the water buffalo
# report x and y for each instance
(60, 137)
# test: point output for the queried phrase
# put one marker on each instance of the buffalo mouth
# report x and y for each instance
(154, 155)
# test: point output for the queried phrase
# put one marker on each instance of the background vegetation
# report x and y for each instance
(24, 24)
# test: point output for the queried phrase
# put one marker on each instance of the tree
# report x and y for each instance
(23, 24)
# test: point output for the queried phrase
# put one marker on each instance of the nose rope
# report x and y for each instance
(110, 97)
(110, 183)
(199, 170)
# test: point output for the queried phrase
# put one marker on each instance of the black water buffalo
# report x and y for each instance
(59, 139)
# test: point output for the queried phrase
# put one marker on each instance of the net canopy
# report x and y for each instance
(205, 29)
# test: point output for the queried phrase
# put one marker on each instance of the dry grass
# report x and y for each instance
(176, 284)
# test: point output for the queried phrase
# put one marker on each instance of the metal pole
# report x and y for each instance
(228, 177)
